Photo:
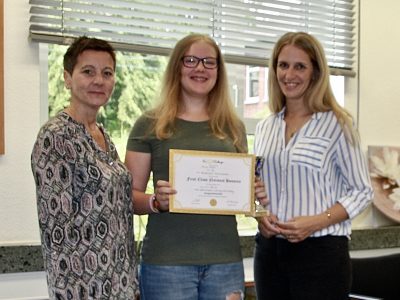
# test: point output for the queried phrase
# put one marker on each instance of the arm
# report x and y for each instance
(354, 188)
(53, 188)
(266, 224)
(139, 164)
(356, 179)
(299, 228)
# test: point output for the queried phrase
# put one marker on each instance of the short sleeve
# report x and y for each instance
(139, 137)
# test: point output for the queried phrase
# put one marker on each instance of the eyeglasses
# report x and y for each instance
(193, 62)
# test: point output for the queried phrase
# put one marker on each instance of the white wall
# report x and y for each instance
(379, 108)
(379, 93)
(18, 215)
(379, 73)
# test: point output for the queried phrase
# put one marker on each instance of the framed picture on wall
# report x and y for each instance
(384, 166)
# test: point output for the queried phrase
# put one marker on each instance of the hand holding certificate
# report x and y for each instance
(212, 182)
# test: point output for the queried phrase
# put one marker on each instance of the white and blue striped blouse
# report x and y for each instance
(317, 168)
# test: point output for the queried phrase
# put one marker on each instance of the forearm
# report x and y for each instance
(141, 203)
(333, 215)
(139, 164)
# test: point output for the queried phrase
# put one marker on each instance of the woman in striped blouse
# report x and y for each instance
(316, 178)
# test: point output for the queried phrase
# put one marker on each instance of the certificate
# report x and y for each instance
(211, 182)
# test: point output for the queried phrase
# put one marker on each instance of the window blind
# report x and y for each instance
(245, 30)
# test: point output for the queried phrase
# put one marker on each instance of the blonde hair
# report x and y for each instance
(223, 120)
(319, 96)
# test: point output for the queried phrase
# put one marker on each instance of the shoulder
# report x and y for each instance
(327, 123)
(325, 116)
(144, 122)
(146, 119)
(267, 122)
(52, 138)
(269, 119)
(143, 127)
(58, 125)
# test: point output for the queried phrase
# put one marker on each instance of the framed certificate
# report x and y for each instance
(211, 182)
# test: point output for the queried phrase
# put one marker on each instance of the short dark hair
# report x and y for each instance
(82, 44)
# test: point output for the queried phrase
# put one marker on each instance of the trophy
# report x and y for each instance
(259, 209)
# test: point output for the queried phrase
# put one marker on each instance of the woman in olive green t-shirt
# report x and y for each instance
(187, 256)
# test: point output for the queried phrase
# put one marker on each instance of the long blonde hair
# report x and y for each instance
(223, 121)
(319, 96)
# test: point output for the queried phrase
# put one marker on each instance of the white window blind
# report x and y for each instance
(245, 30)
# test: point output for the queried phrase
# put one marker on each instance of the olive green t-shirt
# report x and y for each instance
(177, 238)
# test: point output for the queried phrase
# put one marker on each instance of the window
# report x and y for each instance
(130, 100)
(133, 94)
(252, 84)
(255, 103)
(337, 84)
(145, 31)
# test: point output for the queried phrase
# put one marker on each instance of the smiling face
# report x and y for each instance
(92, 80)
(198, 82)
(294, 72)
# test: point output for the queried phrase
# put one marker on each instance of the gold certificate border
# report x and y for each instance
(177, 154)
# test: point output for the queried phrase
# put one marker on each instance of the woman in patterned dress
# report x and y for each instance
(83, 189)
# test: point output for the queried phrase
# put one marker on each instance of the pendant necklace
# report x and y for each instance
(292, 133)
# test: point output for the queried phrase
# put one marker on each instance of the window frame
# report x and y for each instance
(250, 70)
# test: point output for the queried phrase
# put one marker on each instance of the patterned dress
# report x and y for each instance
(85, 214)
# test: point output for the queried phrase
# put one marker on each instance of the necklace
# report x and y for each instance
(298, 122)
(291, 131)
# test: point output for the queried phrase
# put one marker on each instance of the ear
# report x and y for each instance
(67, 79)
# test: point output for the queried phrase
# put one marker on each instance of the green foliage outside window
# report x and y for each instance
(138, 79)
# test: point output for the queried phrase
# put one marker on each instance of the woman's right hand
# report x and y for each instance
(267, 225)
(162, 191)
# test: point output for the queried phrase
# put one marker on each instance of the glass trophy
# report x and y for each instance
(259, 209)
